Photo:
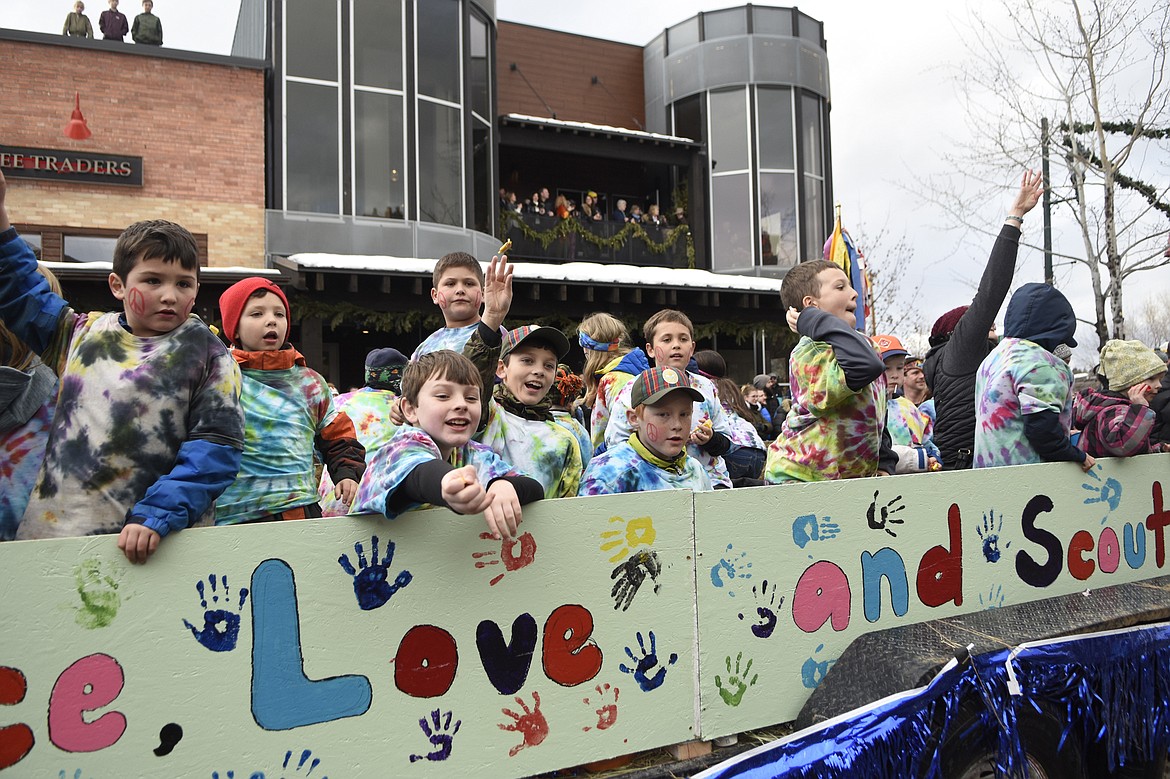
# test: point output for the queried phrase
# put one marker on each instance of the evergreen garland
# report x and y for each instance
(631, 229)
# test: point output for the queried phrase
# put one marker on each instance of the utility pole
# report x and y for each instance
(1044, 141)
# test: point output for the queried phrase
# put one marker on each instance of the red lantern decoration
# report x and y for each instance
(77, 129)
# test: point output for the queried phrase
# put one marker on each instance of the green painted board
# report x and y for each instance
(788, 576)
(104, 662)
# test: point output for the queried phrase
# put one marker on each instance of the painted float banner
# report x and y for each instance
(367, 647)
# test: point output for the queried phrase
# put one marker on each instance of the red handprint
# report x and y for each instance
(514, 559)
(607, 712)
(531, 724)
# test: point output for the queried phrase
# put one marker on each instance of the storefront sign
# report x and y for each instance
(18, 162)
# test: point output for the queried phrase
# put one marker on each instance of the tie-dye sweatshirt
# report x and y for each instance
(146, 430)
(622, 468)
(1018, 378)
(453, 338)
(615, 375)
(834, 428)
(541, 448)
(566, 420)
(369, 410)
(409, 448)
(909, 425)
(708, 409)
(288, 412)
(22, 449)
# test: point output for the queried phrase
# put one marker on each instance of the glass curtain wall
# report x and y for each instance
(379, 142)
(439, 108)
(312, 105)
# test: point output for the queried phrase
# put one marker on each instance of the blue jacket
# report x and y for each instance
(1039, 313)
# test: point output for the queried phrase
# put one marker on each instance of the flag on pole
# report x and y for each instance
(840, 250)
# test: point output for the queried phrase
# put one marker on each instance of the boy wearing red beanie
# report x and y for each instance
(288, 412)
(148, 428)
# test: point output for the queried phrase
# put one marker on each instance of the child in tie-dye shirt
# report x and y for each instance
(288, 412)
(565, 392)
(911, 431)
(1023, 392)
(431, 460)
(370, 409)
(670, 340)
(458, 292)
(836, 428)
(516, 417)
(148, 428)
(654, 457)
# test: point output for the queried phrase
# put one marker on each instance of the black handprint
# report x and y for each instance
(631, 574)
(370, 584)
(886, 510)
(766, 607)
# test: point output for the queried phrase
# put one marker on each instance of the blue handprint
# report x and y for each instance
(989, 534)
(305, 755)
(993, 599)
(813, 671)
(647, 662)
(440, 736)
(808, 528)
(232, 775)
(370, 584)
(221, 627)
(731, 566)
(1108, 493)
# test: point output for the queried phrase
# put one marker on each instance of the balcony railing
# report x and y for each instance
(551, 239)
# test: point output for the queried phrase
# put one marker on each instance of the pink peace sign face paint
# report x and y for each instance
(157, 296)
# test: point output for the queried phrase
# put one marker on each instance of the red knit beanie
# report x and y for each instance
(235, 297)
(946, 324)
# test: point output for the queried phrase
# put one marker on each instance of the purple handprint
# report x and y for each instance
(371, 583)
(440, 736)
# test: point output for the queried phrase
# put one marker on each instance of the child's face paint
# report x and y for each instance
(672, 346)
(446, 411)
(665, 427)
(528, 372)
(263, 325)
(459, 295)
(156, 296)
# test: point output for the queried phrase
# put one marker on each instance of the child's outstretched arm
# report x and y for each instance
(27, 306)
(1050, 440)
(497, 292)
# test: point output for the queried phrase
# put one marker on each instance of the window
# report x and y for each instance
(729, 131)
(377, 43)
(731, 222)
(313, 176)
(688, 118)
(437, 30)
(440, 164)
(379, 163)
(778, 224)
(86, 248)
(775, 132)
(311, 39)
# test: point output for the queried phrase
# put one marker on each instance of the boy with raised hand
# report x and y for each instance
(431, 460)
(654, 457)
(288, 413)
(517, 420)
(148, 428)
(1023, 391)
(458, 292)
(670, 342)
(836, 428)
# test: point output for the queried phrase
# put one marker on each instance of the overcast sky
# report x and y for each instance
(895, 114)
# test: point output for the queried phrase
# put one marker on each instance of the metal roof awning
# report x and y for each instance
(594, 140)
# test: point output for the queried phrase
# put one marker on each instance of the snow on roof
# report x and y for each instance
(597, 128)
(214, 271)
(569, 272)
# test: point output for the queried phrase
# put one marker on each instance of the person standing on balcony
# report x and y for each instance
(113, 23)
(147, 27)
(77, 23)
(619, 214)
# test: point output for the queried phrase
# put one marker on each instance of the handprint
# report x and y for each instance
(440, 736)
(808, 528)
(97, 584)
(813, 671)
(993, 599)
(737, 681)
(606, 712)
(631, 574)
(1108, 493)
(221, 627)
(636, 532)
(989, 535)
(883, 521)
(304, 758)
(371, 584)
(531, 724)
(515, 553)
(766, 607)
(646, 663)
(730, 566)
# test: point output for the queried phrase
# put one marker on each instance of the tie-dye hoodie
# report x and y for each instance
(630, 467)
(369, 410)
(615, 375)
(145, 428)
(288, 412)
(541, 448)
(409, 448)
(708, 410)
(453, 338)
(909, 425)
(24, 432)
(834, 428)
